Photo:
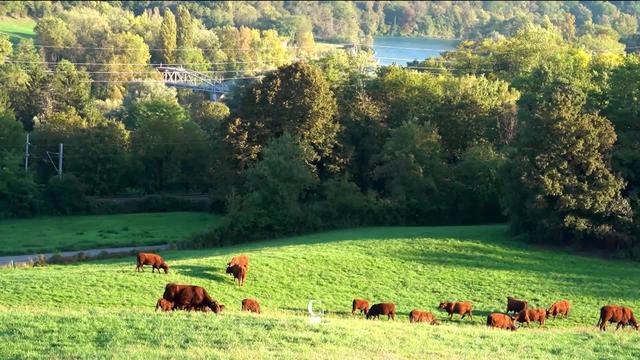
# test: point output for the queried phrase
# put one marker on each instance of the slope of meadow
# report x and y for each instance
(17, 28)
(105, 309)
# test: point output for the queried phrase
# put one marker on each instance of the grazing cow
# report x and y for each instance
(190, 297)
(251, 305)
(382, 309)
(529, 315)
(461, 308)
(501, 321)
(239, 273)
(171, 290)
(360, 304)
(164, 304)
(616, 314)
(516, 305)
(422, 316)
(561, 308)
(151, 259)
(242, 260)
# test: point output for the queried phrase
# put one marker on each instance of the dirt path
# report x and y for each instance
(22, 259)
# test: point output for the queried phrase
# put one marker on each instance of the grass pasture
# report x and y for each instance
(104, 309)
(50, 234)
(17, 28)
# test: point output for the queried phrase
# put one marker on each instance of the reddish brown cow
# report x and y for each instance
(382, 309)
(360, 304)
(561, 308)
(251, 305)
(422, 316)
(516, 305)
(171, 290)
(190, 297)
(239, 273)
(529, 315)
(154, 260)
(461, 308)
(501, 321)
(616, 314)
(242, 260)
(164, 304)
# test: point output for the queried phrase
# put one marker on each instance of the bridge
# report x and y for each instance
(182, 78)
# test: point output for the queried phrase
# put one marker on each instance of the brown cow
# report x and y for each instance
(164, 304)
(616, 314)
(422, 316)
(529, 315)
(516, 305)
(191, 297)
(154, 260)
(360, 304)
(239, 273)
(242, 260)
(382, 309)
(501, 321)
(171, 290)
(251, 305)
(461, 308)
(561, 307)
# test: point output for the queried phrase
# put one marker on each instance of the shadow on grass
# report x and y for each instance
(199, 271)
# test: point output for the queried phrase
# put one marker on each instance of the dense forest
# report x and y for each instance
(534, 119)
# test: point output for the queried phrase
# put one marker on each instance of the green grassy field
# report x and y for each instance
(17, 28)
(50, 234)
(104, 309)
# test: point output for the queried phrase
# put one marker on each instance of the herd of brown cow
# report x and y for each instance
(191, 297)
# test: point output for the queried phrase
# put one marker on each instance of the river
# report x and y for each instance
(399, 50)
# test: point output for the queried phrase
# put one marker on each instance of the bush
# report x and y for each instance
(65, 196)
(149, 203)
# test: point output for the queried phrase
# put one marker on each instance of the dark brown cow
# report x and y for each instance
(382, 309)
(191, 297)
(529, 315)
(461, 308)
(154, 260)
(360, 304)
(561, 308)
(239, 273)
(616, 314)
(164, 305)
(251, 305)
(501, 321)
(171, 290)
(242, 260)
(422, 316)
(516, 305)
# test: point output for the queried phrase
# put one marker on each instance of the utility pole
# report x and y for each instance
(26, 155)
(60, 160)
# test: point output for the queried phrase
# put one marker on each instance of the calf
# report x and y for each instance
(251, 305)
(242, 260)
(164, 304)
(360, 304)
(382, 309)
(529, 315)
(501, 321)
(154, 260)
(561, 308)
(422, 316)
(461, 308)
(616, 314)
(516, 305)
(239, 273)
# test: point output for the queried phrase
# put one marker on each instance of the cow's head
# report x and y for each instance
(443, 305)
(165, 267)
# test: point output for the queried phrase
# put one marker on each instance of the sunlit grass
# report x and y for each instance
(17, 28)
(105, 309)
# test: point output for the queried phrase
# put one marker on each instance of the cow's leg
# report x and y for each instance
(451, 316)
(470, 315)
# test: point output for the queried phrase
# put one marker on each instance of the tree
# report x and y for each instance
(168, 38)
(184, 25)
(560, 183)
(54, 33)
(69, 88)
(211, 117)
(295, 99)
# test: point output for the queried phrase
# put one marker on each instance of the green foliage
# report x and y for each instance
(562, 185)
(168, 37)
(19, 194)
(65, 196)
